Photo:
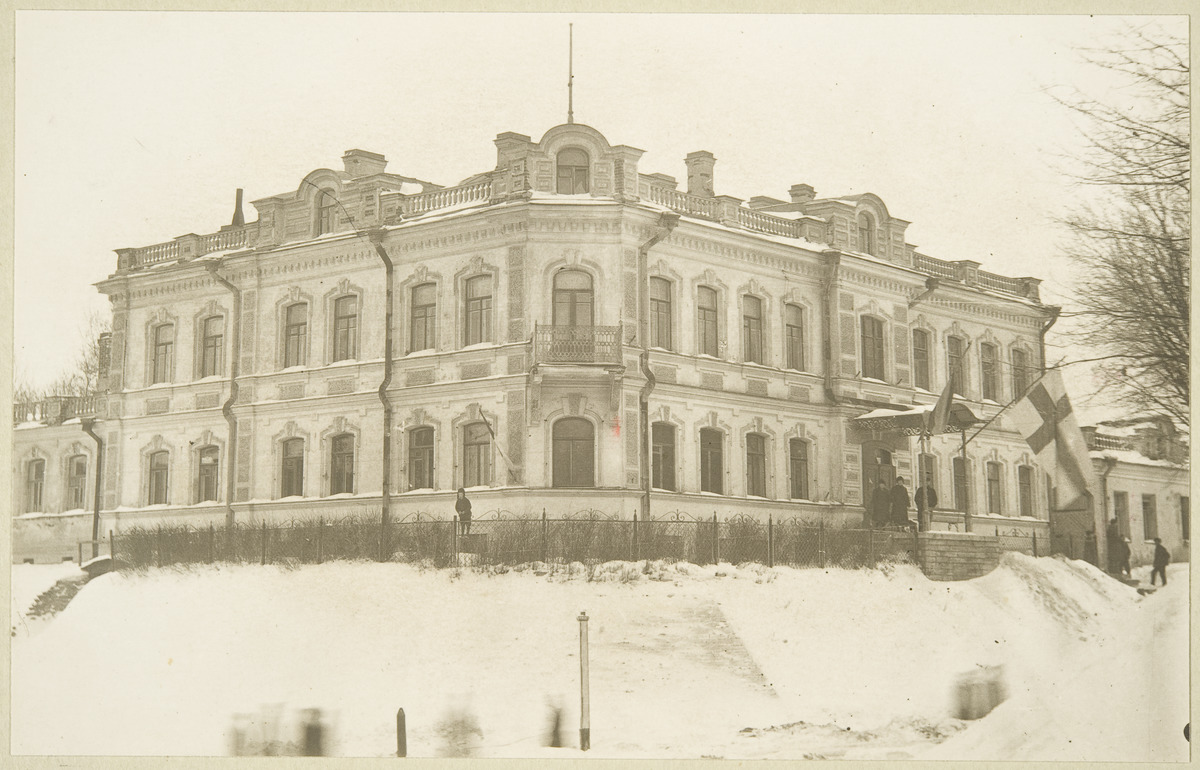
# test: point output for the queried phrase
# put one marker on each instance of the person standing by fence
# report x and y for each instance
(1162, 557)
(900, 504)
(881, 506)
(926, 500)
(463, 507)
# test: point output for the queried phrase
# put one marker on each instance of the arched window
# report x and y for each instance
(341, 464)
(798, 468)
(866, 233)
(164, 352)
(207, 473)
(159, 464)
(212, 346)
(574, 453)
(756, 465)
(872, 348)
(662, 464)
(295, 335)
(706, 321)
(291, 476)
(794, 336)
(572, 171)
(35, 482)
(77, 467)
(423, 318)
(989, 372)
(955, 365)
(477, 455)
(660, 313)
(345, 328)
(477, 323)
(573, 304)
(712, 464)
(420, 458)
(920, 358)
(326, 212)
(752, 329)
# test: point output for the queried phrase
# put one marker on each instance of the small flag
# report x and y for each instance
(940, 416)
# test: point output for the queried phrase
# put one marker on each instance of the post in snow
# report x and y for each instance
(585, 719)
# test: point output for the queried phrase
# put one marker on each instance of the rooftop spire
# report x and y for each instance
(571, 73)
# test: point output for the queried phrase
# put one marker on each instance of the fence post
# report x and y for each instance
(264, 542)
(543, 535)
(210, 543)
(635, 536)
(79, 553)
(821, 542)
(770, 541)
(716, 539)
(870, 548)
(320, 535)
(454, 539)
(112, 547)
(158, 545)
(383, 538)
(1035, 543)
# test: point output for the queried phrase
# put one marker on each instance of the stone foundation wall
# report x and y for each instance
(957, 555)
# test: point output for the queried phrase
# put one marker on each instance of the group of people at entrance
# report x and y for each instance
(889, 505)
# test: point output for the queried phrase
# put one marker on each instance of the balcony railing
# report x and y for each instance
(56, 409)
(187, 247)
(1099, 442)
(445, 198)
(577, 344)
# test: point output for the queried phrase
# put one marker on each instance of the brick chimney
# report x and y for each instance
(802, 193)
(700, 173)
(362, 163)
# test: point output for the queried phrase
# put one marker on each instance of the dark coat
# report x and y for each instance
(463, 507)
(899, 504)
(926, 498)
(1162, 557)
(881, 506)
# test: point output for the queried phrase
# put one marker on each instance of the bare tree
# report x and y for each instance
(81, 377)
(1132, 242)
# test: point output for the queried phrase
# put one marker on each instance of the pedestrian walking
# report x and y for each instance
(900, 503)
(926, 500)
(1162, 557)
(463, 506)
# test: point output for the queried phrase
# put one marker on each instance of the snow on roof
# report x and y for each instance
(1132, 457)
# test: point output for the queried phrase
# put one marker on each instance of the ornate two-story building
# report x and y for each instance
(566, 332)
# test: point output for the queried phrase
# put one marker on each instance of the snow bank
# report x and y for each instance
(686, 661)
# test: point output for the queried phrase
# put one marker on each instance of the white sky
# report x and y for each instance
(133, 128)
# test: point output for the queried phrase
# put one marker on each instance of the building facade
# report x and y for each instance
(565, 331)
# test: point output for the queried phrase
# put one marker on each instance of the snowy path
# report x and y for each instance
(685, 661)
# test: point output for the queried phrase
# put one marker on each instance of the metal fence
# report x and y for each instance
(499, 538)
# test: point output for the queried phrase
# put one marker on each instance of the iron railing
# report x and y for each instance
(577, 345)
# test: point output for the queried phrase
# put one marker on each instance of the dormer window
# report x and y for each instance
(866, 233)
(326, 212)
(572, 171)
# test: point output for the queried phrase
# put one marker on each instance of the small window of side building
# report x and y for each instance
(1121, 511)
(573, 171)
(1150, 516)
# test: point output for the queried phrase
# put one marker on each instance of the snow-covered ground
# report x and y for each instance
(686, 661)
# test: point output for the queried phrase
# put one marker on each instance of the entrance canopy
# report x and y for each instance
(910, 421)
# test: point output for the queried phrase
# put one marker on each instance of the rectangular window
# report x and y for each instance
(345, 328)
(478, 321)
(872, 348)
(341, 465)
(798, 468)
(164, 348)
(1150, 516)
(954, 365)
(1020, 372)
(77, 482)
(212, 355)
(295, 331)
(420, 458)
(35, 482)
(794, 337)
(423, 317)
(1025, 489)
(960, 484)
(1185, 517)
(1121, 511)
(712, 469)
(660, 313)
(987, 367)
(920, 349)
(477, 455)
(993, 488)
(756, 465)
(706, 321)
(206, 476)
(752, 329)
(159, 473)
(662, 469)
(292, 475)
